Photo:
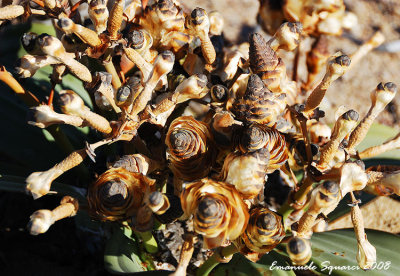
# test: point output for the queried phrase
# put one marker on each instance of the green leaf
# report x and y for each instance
(240, 266)
(339, 248)
(381, 161)
(121, 254)
(21, 144)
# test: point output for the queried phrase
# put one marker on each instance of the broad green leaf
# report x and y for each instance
(267, 265)
(338, 248)
(121, 254)
(21, 144)
(381, 161)
(84, 222)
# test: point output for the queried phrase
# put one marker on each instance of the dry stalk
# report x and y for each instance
(41, 220)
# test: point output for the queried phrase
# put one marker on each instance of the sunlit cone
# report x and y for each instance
(287, 36)
(257, 136)
(324, 199)
(117, 194)
(247, 172)
(260, 105)
(218, 209)
(264, 231)
(299, 250)
(189, 148)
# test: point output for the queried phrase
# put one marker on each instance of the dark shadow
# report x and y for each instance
(244, 33)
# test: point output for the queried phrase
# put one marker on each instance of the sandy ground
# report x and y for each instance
(382, 214)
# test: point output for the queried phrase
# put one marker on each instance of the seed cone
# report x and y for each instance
(323, 200)
(264, 231)
(260, 105)
(11, 11)
(219, 211)
(246, 172)
(299, 250)
(262, 57)
(98, 13)
(258, 136)
(115, 20)
(265, 63)
(189, 147)
(199, 24)
(286, 37)
(117, 194)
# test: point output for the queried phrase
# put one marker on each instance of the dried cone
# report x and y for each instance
(264, 231)
(53, 47)
(299, 250)
(246, 172)
(343, 126)
(265, 62)
(219, 211)
(38, 183)
(260, 105)
(117, 194)
(41, 220)
(391, 144)
(189, 148)
(198, 24)
(380, 98)
(258, 136)
(86, 35)
(115, 20)
(72, 104)
(136, 163)
(366, 252)
(337, 65)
